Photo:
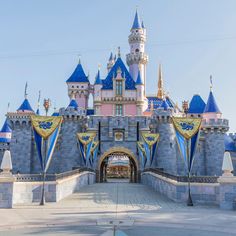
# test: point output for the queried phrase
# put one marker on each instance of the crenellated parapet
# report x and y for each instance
(215, 125)
(19, 119)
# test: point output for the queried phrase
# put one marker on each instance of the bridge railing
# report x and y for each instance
(178, 178)
(49, 177)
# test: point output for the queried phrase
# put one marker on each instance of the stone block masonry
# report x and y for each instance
(12, 192)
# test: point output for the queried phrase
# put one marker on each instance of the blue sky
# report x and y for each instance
(40, 42)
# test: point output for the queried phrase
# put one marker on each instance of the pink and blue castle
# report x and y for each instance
(122, 109)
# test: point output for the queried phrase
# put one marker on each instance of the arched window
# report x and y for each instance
(119, 87)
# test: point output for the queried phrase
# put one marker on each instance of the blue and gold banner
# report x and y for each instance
(86, 138)
(150, 145)
(86, 145)
(187, 127)
(45, 125)
(46, 131)
(149, 138)
(142, 156)
(187, 135)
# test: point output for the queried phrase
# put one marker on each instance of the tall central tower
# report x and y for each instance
(137, 58)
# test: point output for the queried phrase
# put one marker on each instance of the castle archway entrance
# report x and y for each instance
(118, 164)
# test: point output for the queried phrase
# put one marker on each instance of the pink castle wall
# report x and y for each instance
(107, 110)
(130, 110)
(82, 102)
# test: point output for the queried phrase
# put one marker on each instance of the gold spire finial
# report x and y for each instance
(160, 93)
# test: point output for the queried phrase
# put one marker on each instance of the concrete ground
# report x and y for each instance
(130, 209)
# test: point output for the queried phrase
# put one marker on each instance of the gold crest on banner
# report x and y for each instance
(150, 139)
(45, 125)
(86, 138)
(187, 127)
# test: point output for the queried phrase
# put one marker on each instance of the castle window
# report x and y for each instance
(119, 87)
(136, 50)
(119, 110)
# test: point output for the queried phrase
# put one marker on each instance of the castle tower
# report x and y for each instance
(137, 58)
(214, 129)
(160, 91)
(97, 94)
(166, 156)
(79, 86)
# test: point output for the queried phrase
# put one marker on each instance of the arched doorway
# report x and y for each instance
(118, 162)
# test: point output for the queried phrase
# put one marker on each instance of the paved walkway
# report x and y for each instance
(135, 208)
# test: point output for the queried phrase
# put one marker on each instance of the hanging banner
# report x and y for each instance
(85, 145)
(187, 135)
(187, 127)
(150, 139)
(141, 151)
(45, 125)
(150, 145)
(86, 138)
(94, 152)
(45, 141)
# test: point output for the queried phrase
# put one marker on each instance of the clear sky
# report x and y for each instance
(40, 42)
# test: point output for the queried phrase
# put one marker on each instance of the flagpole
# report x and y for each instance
(189, 202)
(42, 202)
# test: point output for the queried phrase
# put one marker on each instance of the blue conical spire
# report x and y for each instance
(137, 23)
(78, 75)
(139, 80)
(197, 105)
(211, 105)
(98, 78)
(25, 106)
(5, 133)
(73, 104)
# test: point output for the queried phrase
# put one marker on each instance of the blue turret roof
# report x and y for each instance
(37, 112)
(197, 105)
(211, 105)
(73, 104)
(119, 64)
(139, 80)
(137, 23)
(6, 128)
(98, 78)
(165, 105)
(5, 133)
(78, 75)
(157, 102)
(25, 106)
(230, 144)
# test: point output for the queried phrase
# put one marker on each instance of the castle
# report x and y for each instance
(122, 109)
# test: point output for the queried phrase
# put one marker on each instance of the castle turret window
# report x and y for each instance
(119, 87)
(119, 110)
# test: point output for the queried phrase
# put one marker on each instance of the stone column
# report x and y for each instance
(227, 185)
(6, 182)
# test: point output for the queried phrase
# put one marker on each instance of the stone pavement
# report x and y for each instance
(135, 208)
